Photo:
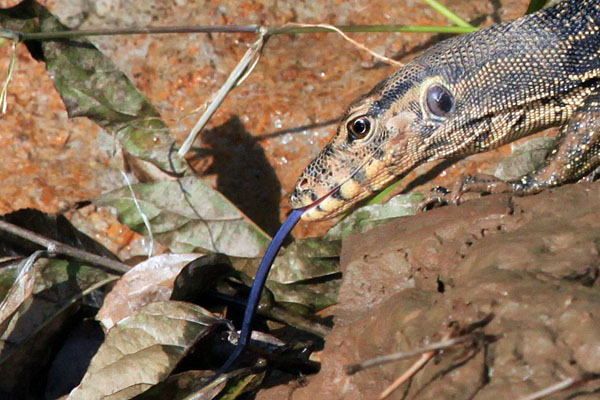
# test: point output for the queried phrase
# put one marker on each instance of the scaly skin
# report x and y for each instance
(497, 85)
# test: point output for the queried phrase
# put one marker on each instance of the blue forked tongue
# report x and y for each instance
(257, 287)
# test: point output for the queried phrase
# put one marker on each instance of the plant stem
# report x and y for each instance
(54, 247)
(379, 197)
(139, 31)
(535, 5)
(289, 30)
(455, 19)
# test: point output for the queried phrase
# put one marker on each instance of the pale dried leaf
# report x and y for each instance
(189, 216)
(148, 282)
(21, 289)
(142, 350)
(367, 217)
(57, 289)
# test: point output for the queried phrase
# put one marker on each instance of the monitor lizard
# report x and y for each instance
(466, 95)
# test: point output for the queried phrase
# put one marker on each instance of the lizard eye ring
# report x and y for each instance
(439, 101)
(358, 128)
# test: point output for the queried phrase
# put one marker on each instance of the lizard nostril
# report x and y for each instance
(303, 184)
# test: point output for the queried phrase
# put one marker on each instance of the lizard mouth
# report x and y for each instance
(321, 208)
(331, 204)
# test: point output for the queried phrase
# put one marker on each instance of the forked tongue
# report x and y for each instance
(259, 283)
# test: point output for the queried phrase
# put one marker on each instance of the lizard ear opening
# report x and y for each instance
(439, 101)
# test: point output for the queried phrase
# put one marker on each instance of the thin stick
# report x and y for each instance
(55, 247)
(407, 374)
(557, 387)
(239, 73)
(139, 31)
(354, 368)
(289, 30)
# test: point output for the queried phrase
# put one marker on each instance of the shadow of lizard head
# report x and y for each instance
(465, 95)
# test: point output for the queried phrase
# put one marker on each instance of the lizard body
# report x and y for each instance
(467, 95)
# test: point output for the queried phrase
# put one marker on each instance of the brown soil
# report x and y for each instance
(529, 263)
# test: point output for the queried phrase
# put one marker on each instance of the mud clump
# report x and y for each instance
(528, 264)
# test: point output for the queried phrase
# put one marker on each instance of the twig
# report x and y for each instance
(55, 247)
(465, 27)
(417, 365)
(239, 73)
(354, 368)
(557, 387)
(26, 36)
(134, 31)
(426, 352)
(297, 321)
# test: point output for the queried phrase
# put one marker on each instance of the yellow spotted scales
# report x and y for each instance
(467, 95)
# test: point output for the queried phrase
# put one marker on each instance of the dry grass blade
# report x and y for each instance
(557, 387)
(239, 73)
(142, 214)
(9, 74)
(417, 365)
(444, 344)
(352, 41)
(54, 247)
(22, 288)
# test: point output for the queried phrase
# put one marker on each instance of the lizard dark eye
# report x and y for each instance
(359, 128)
(439, 101)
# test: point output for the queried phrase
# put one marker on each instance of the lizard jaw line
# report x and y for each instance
(314, 211)
(329, 205)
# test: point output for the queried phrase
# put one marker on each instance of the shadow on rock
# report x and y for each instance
(244, 175)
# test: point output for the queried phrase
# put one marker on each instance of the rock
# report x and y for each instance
(529, 263)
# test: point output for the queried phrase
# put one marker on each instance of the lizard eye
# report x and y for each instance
(358, 128)
(439, 101)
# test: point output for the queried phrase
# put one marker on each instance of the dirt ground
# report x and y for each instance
(521, 272)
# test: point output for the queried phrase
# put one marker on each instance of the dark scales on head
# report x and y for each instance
(470, 94)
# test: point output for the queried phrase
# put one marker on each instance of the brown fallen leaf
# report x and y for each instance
(143, 349)
(38, 311)
(147, 282)
(21, 289)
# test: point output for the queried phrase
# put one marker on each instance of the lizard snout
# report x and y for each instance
(330, 201)
(309, 191)
(303, 195)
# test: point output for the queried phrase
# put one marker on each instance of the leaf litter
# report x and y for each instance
(184, 214)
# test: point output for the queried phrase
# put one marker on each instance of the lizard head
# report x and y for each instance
(382, 136)
(463, 96)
